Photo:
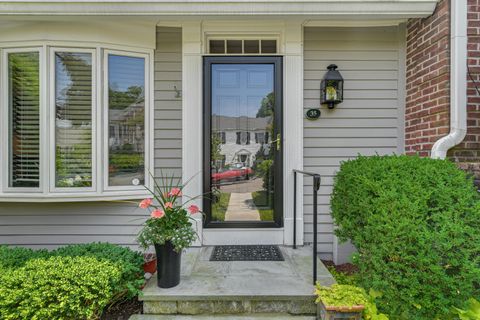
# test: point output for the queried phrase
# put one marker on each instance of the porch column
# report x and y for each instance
(293, 128)
(192, 151)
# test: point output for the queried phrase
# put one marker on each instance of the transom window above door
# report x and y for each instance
(242, 46)
(74, 123)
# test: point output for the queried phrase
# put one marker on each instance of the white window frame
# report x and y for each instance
(100, 191)
(52, 120)
(5, 114)
(148, 115)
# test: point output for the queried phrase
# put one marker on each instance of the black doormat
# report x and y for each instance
(247, 253)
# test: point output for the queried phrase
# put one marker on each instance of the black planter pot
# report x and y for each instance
(168, 265)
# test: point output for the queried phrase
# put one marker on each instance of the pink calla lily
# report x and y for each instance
(157, 213)
(193, 209)
(145, 203)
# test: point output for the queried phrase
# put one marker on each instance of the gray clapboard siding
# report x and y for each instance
(168, 108)
(367, 122)
(56, 224)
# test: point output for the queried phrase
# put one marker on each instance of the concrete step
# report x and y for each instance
(232, 305)
(258, 316)
(238, 288)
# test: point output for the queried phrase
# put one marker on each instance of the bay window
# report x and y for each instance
(74, 109)
(126, 120)
(77, 129)
(23, 119)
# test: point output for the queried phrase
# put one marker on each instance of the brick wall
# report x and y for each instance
(428, 93)
(467, 153)
(469, 150)
(427, 116)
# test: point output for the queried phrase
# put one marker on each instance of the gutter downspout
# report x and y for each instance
(458, 81)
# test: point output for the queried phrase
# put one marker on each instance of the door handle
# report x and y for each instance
(278, 141)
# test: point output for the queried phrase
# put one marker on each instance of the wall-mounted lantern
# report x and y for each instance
(331, 88)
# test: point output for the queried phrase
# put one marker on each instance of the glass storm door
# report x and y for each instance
(242, 142)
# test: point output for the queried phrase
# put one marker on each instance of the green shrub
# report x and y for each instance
(16, 257)
(129, 262)
(340, 295)
(58, 288)
(342, 277)
(415, 222)
(471, 312)
(126, 161)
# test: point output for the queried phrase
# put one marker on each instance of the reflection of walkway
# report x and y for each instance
(241, 208)
(125, 178)
(252, 185)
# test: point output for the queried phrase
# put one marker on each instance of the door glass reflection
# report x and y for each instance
(242, 153)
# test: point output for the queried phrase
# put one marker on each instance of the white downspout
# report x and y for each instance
(458, 81)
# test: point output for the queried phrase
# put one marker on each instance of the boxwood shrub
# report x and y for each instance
(129, 262)
(416, 225)
(57, 288)
(18, 256)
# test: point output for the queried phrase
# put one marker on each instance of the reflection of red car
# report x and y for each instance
(232, 174)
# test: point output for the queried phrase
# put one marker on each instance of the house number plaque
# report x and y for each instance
(312, 114)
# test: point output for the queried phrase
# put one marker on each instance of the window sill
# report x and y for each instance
(74, 197)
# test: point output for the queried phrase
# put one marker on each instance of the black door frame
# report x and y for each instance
(277, 62)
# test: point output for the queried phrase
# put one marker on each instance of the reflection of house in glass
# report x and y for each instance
(126, 128)
(73, 151)
(126, 144)
(240, 139)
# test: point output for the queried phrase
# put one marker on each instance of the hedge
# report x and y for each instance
(58, 288)
(415, 222)
(130, 263)
(14, 257)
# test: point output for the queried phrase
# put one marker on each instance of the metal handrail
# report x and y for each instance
(316, 186)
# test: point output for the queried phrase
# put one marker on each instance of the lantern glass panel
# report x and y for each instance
(340, 90)
(331, 90)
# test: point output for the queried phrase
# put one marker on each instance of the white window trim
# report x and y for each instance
(147, 124)
(52, 120)
(47, 192)
(5, 112)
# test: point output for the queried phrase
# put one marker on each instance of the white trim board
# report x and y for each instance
(234, 236)
(395, 9)
(132, 34)
(192, 111)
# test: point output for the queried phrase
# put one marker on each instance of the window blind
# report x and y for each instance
(24, 122)
(126, 120)
(73, 119)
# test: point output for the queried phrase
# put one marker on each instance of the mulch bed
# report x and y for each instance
(346, 268)
(122, 310)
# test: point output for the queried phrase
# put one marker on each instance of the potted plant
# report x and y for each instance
(340, 302)
(169, 229)
(150, 263)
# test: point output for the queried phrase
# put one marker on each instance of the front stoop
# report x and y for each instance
(238, 289)
(259, 316)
